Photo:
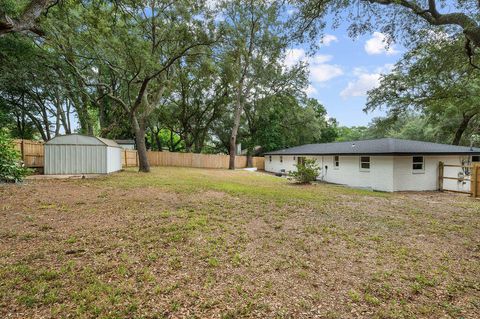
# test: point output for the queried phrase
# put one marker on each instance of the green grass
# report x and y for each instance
(238, 183)
(199, 243)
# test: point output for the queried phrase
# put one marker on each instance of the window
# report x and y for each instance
(417, 164)
(270, 158)
(300, 160)
(336, 161)
(281, 159)
(364, 163)
(476, 158)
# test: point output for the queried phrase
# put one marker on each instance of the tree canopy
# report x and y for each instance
(195, 77)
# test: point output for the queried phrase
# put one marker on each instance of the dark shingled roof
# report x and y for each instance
(383, 146)
(125, 141)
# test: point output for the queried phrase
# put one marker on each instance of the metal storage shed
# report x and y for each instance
(80, 154)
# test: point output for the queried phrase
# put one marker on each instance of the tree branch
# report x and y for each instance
(27, 21)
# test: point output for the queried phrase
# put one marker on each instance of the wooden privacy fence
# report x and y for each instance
(473, 178)
(130, 158)
(33, 156)
(475, 182)
(32, 152)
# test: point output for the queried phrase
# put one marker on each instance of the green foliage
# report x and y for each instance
(282, 120)
(11, 169)
(307, 171)
(432, 92)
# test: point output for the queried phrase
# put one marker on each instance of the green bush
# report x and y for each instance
(307, 171)
(11, 169)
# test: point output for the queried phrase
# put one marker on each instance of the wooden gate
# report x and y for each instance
(473, 178)
(32, 152)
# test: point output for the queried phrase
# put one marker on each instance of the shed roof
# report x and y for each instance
(78, 139)
(125, 141)
(383, 146)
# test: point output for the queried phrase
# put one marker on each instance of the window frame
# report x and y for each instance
(362, 161)
(336, 161)
(301, 159)
(418, 170)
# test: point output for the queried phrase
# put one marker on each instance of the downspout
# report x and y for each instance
(323, 169)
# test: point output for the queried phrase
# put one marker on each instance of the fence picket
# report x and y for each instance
(33, 156)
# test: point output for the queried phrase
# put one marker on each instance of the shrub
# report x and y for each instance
(307, 171)
(11, 169)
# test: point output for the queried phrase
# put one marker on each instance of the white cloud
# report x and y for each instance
(328, 39)
(378, 44)
(320, 71)
(324, 72)
(364, 81)
(320, 58)
(311, 90)
(293, 56)
(360, 86)
(291, 11)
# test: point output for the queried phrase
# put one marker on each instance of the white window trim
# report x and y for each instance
(419, 171)
(335, 162)
(360, 164)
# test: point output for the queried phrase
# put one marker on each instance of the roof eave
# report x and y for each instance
(380, 154)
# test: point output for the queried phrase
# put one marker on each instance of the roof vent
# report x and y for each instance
(353, 144)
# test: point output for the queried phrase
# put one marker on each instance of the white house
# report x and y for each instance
(385, 164)
(80, 154)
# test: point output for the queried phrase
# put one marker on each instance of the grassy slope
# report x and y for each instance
(212, 243)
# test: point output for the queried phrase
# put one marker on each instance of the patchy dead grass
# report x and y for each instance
(193, 243)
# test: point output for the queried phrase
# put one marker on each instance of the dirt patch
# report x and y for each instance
(220, 244)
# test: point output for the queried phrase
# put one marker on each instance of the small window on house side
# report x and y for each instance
(417, 164)
(270, 158)
(281, 159)
(365, 163)
(300, 160)
(336, 160)
(476, 158)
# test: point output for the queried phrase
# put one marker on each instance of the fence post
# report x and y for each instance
(440, 176)
(22, 151)
(477, 172)
(474, 180)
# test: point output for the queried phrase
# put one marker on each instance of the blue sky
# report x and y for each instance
(343, 69)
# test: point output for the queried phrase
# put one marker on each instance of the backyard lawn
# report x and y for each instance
(196, 243)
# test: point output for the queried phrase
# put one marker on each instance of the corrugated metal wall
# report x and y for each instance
(75, 159)
(114, 159)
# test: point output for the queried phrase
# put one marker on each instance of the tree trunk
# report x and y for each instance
(461, 128)
(158, 141)
(236, 125)
(249, 160)
(87, 120)
(200, 141)
(139, 130)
